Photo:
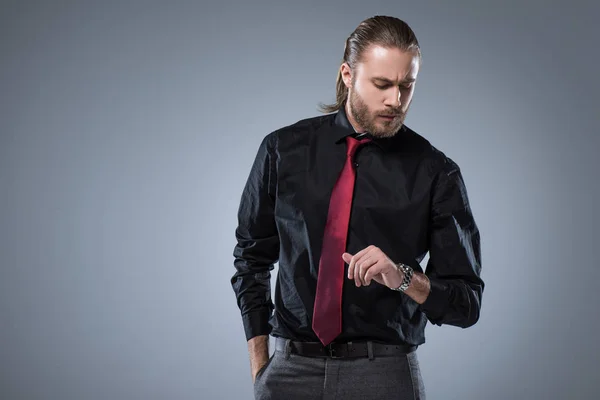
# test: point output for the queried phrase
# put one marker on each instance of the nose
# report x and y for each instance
(393, 98)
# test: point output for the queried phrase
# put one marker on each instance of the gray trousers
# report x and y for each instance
(288, 376)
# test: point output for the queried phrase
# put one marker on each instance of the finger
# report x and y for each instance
(351, 272)
(372, 251)
(350, 267)
(356, 272)
(347, 257)
(363, 266)
(358, 257)
(375, 269)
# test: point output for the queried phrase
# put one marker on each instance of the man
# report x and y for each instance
(349, 203)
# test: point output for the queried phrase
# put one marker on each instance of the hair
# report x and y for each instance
(389, 32)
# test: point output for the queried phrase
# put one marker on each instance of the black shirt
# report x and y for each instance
(410, 198)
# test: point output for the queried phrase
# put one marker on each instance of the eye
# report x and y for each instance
(402, 87)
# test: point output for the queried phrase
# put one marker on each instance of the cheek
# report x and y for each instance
(370, 96)
(406, 98)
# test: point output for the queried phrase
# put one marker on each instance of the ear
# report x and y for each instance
(346, 75)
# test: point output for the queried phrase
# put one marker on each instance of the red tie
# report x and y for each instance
(327, 315)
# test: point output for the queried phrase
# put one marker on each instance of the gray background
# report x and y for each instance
(127, 134)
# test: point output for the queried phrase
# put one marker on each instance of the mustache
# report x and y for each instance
(390, 112)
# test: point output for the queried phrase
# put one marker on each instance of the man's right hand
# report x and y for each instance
(258, 348)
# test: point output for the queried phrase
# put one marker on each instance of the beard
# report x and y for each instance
(371, 122)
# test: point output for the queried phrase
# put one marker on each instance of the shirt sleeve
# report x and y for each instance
(454, 266)
(257, 248)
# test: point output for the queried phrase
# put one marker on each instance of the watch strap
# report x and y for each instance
(408, 274)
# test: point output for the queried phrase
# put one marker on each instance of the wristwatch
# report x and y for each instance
(408, 274)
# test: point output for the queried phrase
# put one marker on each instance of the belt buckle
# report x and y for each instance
(331, 351)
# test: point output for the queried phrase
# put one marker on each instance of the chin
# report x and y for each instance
(386, 131)
(385, 134)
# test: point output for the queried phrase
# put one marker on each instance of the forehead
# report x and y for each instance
(391, 63)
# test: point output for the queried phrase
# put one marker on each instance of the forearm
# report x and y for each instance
(258, 349)
(419, 287)
(454, 301)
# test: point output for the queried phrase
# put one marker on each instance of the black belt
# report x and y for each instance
(343, 350)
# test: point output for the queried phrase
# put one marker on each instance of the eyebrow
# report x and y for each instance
(386, 80)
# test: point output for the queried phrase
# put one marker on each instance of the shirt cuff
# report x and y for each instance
(256, 323)
(436, 303)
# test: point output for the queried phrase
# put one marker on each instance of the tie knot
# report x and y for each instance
(354, 143)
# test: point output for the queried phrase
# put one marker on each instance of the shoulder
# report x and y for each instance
(437, 160)
(305, 126)
(297, 132)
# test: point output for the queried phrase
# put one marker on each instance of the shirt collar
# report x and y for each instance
(346, 129)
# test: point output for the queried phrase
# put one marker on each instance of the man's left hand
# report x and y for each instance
(372, 263)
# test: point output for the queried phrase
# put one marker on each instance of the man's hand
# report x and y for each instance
(258, 348)
(372, 263)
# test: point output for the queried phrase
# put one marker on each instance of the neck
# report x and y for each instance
(351, 119)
